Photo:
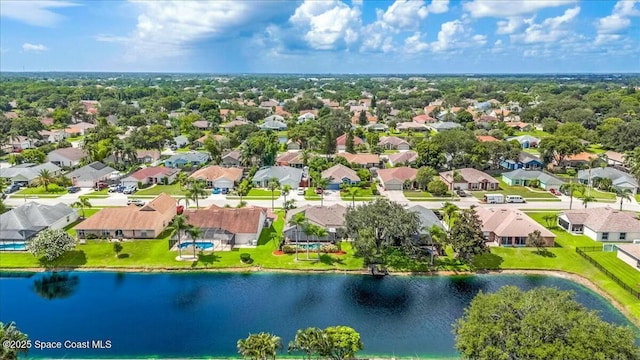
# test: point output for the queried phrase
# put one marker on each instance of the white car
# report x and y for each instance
(136, 202)
(301, 191)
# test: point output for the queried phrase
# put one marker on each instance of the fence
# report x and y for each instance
(583, 252)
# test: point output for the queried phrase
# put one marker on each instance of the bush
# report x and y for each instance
(91, 236)
(437, 187)
(246, 258)
(329, 248)
(289, 249)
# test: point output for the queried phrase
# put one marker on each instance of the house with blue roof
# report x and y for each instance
(525, 161)
(192, 158)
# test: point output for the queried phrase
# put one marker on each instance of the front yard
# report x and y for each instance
(417, 195)
(600, 196)
(54, 191)
(310, 194)
(538, 194)
(173, 189)
(363, 195)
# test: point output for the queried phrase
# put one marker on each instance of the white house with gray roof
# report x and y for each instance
(523, 177)
(526, 141)
(619, 179)
(25, 221)
(90, 175)
(286, 175)
(273, 122)
(629, 253)
(427, 218)
(444, 126)
(330, 218)
(602, 224)
(193, 158)
(25, 174)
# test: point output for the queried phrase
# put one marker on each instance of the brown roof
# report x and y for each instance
(236, 221)
(509, 222)
(604, 219)
(154, 171)
(615, 156)
(421, 119)
(470, 175)
(153, 154)
(325, 216)
(289, 158)
(158, 211)
(486, 138)
(361, 159)
(393, 140)
(407, 156)
(342, 140)
(401, 174)
(583, 156)
(215, 172)
(519, 124)
(71, 153)
(202, 124)
(339, 172)
(235, 123)
(410, 125)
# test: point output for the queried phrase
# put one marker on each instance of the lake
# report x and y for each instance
(204, 314)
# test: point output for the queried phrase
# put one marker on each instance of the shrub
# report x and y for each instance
(245, 258)
(91, 236)
(329, 248)
(289, 249)
(437, 187)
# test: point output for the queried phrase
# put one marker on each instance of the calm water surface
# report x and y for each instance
(182, 315)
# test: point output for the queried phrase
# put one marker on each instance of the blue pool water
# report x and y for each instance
(204, 314)
(13, 246)
(202, 245)
(313, 246)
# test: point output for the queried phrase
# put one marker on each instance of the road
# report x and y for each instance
(331, 197)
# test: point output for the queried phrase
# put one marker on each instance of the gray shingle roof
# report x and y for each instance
(29, 171)
(522, 174)
(190, 157)
(284, 174)
(604, 219)
(93, 171)
(617, 177)
(427, 217)
(27, 220)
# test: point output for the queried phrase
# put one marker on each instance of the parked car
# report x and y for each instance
(215, 191)
(225, 191)
(319, 190)
(301, 191)
(555, 192)
(461, 193)
(130, 189)
(73, 189)
(136, 202)
(99, 186)
(114, 188)
(179, 209)
(12, 188)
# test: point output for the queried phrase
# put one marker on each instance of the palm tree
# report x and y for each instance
(44, 178)
(9, 332)
(298, 220)
(624, 194)
(273, 185)
(587, 199)
(309, 230)
(196, 191)
(572, 187)
(322, 183)
(82, 203)
(180, 225)
(449, 212)
(183, 178)
(353, 192)
(194, 232)
(307, 340)
(437, 235)
(262, 346)
(320, 232)
(129, 153)
(305, 155)
(286, 189)
(592, 162)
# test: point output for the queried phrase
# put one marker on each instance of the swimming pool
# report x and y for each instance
(203, 245)
(13, 247)
(312, 246)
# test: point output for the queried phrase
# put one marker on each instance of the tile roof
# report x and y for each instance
(70, 153)
(509, 222)
(410, 125)
(392, 140)
(26, 220)
(237, 221)
(154, 171)
(234, 154)
(486, 138)
(338, 172)
(158, 212)
(470, 175)
(403, 157)
(201, 124)
(235, 123)
(604, 219)
(342, 140)
(213, 173)
(421, 119)
(398, 173)
(290, 158)
(361, 159)
(583, 156)
(153, 154)
(325, 216)
(615, 156)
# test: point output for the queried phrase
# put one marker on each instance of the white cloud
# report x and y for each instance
(511, 25)
(619, 20)
(479, 40)
(500, 8)
(405, 14)
(37, 13)
(449, 36)
(414, 44)
(550, 30)
(327, 25)
(34, 47)
(438, 6)
(375, 41)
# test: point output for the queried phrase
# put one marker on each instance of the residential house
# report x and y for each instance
(53, 136)
(601, 224)
(67, 157)
(147, 156)
(526, 141)
(47, 121)
(486, 138)
(22, 223)
(193, 158)
(427, 218)
(130, 222)
(201, 124)
(422, 119)
(403, 158)
(613, 158)
(340, 174)
(26, 174)
(80, 128)
(219, 177)
(20, 143)
(232, 158)
(396, 178)
(293, 144)
(293, 159)
(362, 160)
(629, 253)
(510, 227)
(341, 142)
(230, 226)
(619, 179)
(151, 175)
(286, 175)
(405, 126)
(525, 161)
(237, 122)
(519, 125)
(273, 124)
(331, 218)
(444, 126)
(522, 177)
(90, 175)
(225, 113)
(306, 116)
(393, 143)
(471, 179)
(376, 127)
(269, 104)
(180, 141)
(578, 160)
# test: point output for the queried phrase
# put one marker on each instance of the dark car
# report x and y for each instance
(225, 191)
(319, 190)
(73, 189)
(12, 188)
(461, 193)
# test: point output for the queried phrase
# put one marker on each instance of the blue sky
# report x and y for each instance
(317, 36)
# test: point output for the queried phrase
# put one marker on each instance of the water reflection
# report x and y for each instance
(56, 285)
(387, 295)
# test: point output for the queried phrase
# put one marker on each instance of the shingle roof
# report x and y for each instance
(403, 157)
(213, 173)
(325, 216)
(190, 157)
(402, 174)
(522, 174)
(70, 153)
(93, 171)
(410, 125)
(617, 177)
(235, 123)
(289, 157)
(630, 249)
(427, 217)
(361, 159)
(342, 140)
(604, 219)
(236, 221)
(445, 125)
(282, 173)
(26, 220)
(154, 171)
(339, 172)
(392, 140)
(470, 175)
(234, 154)
(29, 171)
(523, 138)
(509, 222)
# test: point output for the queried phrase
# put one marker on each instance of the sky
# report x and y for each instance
(318, 36)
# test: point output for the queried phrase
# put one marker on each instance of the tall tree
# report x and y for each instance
(196, 191)
(362, 118)
(349, 146)
(424, 176)
(10, 333)
(309, 341)
(535, 239)
(273, 185)
(45, 178)
(322, 183)
(261, 346)
(51, 244)
(542, 323)
(450, 210)
(353, 191)
(624, 194)
(82, 203)
(298, 220)
(572, 188)
(243, 189)
(180, 226)
(343, 342)
(194, 233)
(557, 148)
(466, 236)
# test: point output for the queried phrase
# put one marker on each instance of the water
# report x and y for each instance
(13, 246)
(202, 245)
(313, 246)
(204, 314)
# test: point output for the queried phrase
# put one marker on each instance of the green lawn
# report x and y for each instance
(54, 191)
(619, 268)
(104, 193)
(76, 138)
(638, 198)
(596, 149)
(263, 193)
(363, 195)
(173, 189)
(600, 196)
(309, 194)
(538, 195)
(536, 133)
